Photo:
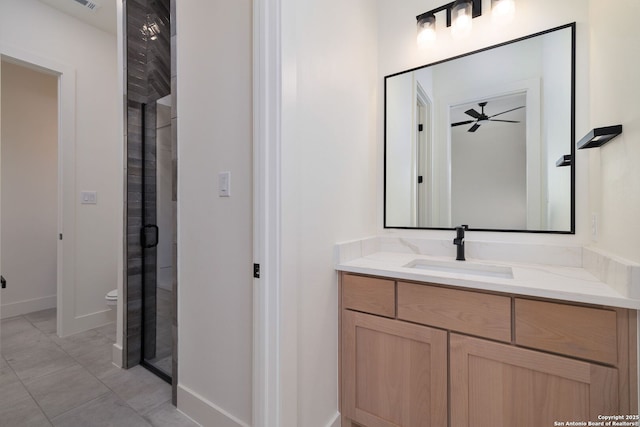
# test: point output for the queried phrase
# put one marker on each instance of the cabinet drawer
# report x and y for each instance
(375, 296)
(463, 311)
(587, 333)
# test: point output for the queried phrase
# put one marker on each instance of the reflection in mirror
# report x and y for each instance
(475, 139)
(480, 180)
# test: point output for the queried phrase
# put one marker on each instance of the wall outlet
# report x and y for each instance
(89, 197)
(594, 227)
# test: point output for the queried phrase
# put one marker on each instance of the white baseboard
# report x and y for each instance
(27, 306)
(204, 412)
(117, 355)
(85, 322)
(336, 421)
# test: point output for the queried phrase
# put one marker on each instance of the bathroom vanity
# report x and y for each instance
(426, 341)
(519, 334)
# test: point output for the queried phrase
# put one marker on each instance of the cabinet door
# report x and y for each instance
(394, 373)
(494, 385)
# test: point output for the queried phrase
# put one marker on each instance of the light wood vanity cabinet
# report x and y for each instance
(394, 373)
(415, 354)
(501, 385)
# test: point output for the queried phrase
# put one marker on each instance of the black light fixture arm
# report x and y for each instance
(476, 11)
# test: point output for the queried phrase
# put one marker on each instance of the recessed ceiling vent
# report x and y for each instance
(89, 4)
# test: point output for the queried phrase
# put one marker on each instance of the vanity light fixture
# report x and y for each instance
(599, 136)
(459, 16)
(426, 30)
(151, 29)
(502, 11)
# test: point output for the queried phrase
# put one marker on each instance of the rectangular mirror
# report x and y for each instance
(479, 139)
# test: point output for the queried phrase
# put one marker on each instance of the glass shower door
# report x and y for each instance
(156, 237)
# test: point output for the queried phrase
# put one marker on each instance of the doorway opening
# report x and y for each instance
(29, 193)
(423, 132)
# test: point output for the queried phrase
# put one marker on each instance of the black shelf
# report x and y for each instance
(599, 136)
(565, 160)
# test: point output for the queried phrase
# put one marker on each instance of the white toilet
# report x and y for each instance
(112, 298)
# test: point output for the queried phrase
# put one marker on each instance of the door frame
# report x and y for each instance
(424, 106)
(268, 310)
(65, 280)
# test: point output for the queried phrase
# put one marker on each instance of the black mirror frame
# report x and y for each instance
(571, 26)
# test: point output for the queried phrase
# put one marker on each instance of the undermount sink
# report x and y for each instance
(462, 267)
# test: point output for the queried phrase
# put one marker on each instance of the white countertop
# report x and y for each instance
(565, 283)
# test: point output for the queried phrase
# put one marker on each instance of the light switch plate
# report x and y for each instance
(224, 184)
(89, 197)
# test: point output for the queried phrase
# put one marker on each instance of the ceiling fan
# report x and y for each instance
(482, 117)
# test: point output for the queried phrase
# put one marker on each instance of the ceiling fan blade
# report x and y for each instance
(462, 123)
(474, 128)
(473, 113)
(513, 109)
(506, 121)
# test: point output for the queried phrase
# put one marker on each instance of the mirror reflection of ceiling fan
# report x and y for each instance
(482, 117)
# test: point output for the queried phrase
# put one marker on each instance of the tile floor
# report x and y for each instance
(50, 381)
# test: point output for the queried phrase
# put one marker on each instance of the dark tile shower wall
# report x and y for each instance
(148, 72)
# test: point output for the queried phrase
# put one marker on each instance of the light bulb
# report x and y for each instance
(502, 11)
(461, 17)
(426, 31)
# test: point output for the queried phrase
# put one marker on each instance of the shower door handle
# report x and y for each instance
(3, 282)
(143, 236)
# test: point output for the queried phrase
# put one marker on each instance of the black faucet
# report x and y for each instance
(459, 242)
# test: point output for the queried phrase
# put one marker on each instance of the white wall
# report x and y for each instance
(614, 173)
(329, 186)
(214, 110)
(30, 26)
(29, 189)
